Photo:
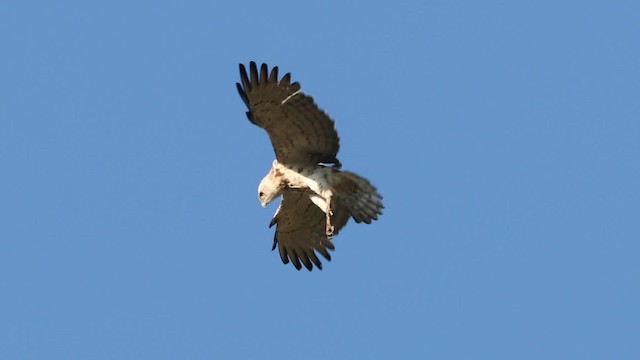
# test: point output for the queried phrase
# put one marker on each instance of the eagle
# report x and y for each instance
(317, 197)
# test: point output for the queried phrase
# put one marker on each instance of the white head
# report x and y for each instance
(270, 188)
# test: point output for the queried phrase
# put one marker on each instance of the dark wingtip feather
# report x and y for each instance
(245, 79)
(315, 260)
(322, 251)
(253, 73)
(264, 72)
(250, 117)
(283, 255)
(306, 262)
(273, 78)
(243, 94)
(295, 261)
(286, 79)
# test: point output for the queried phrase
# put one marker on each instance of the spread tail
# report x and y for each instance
(360, 198)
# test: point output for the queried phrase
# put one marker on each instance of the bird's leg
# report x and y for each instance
(329, 228)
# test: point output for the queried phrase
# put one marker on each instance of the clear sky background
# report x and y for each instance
(503, 135)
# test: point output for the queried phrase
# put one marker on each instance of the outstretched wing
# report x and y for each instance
(300, 231)
(300, 132)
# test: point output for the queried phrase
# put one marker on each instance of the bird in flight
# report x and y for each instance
(317, 197)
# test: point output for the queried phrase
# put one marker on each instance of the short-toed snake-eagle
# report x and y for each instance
(317, 197)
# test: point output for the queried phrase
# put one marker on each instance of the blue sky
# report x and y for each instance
(504, 137)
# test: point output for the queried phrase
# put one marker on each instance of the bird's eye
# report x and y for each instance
(261, 194)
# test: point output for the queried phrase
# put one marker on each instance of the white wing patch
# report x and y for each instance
(289, 97)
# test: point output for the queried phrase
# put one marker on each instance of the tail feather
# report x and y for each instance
(361, 199)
